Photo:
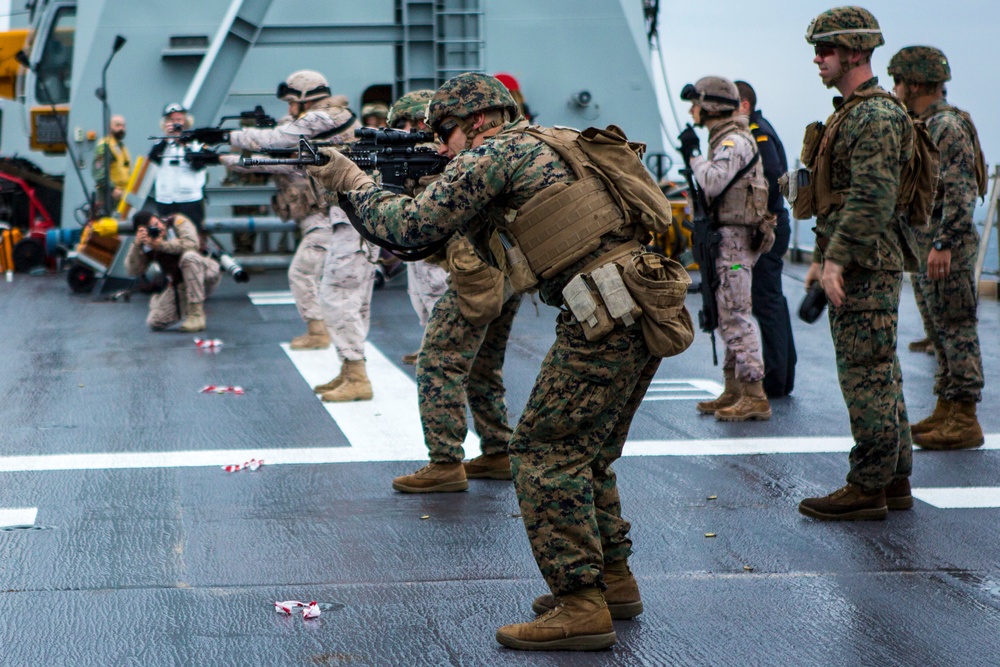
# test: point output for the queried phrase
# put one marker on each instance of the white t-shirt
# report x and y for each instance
(176, 181)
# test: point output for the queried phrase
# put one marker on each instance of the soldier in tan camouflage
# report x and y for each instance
(862, 246)
(173, 243)
(330, 277)
(732, 179)
(948, 247)
(576, 420)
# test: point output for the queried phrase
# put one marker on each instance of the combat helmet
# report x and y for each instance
(467, 93)
(920, 64)
(303, 86)
(714, 94)
(410, 107)
(849, 27)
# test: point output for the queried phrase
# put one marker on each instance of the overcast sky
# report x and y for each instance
(763, 43)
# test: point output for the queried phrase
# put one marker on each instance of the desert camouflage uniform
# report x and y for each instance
(328, 119)
(948, 305)
(732, 149)
(577, 417)
(425, 283)
(196, 275)
(865, 236)
(346, 288)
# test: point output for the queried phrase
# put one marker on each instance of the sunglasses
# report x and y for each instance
(445, 130)
(825, 50)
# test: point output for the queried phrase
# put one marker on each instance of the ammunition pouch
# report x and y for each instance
(598, 296)
(659, 286)
(478, 286)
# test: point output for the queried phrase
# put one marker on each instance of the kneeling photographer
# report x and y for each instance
(173, 243)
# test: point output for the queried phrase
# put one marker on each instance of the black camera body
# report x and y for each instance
(153, 232)
(813, 304)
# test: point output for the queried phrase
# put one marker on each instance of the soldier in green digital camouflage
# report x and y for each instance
(947, 249)
(861, 247)
(460, 362)
(577, 417)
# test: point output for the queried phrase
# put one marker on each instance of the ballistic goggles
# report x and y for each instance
(284, 90)
(690, 94)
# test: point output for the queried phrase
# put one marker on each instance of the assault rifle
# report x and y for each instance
(395, 154)
(398, 157)
(705, 239)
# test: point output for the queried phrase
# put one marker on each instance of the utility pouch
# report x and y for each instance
(804, 201)
(511, 261)
(810, 143)
(592, 315)
(478, 286)
(620, 304)
(659, 286)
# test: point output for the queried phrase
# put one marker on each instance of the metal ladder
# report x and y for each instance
(440, 38)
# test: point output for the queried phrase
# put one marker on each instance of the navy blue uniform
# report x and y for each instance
(769, 304)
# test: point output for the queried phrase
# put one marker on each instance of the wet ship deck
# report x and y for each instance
(162, 558)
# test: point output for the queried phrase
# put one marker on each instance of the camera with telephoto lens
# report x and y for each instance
(177, 127)
(153, 232)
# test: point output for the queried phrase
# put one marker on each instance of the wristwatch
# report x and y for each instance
(942, 245)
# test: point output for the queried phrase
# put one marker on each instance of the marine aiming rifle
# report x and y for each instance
(705, 239)
(397, 156)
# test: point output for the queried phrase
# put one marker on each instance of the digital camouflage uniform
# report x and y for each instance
(191, 276)
(865, 235)
(461, 362)
(948, 305)
(328, 119)
(576, 419)
(732, 149)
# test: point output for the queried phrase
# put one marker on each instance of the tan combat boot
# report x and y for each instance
(752, 405)
(959, 430)
(898, 495)
(580, 621)
(850, 503)
(941, 410)
(355, 386)
(195, 320)
(410, 359)
(923, 345)
(730, 394)
(315, 337)
(488, 466)
(332, 384)
(433, 478)
(622, 596)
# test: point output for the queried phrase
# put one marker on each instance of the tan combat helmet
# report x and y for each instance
(849, 27)
(303, 86)
(463, 95)
(410, 107)
(920, 64)
(714, 94)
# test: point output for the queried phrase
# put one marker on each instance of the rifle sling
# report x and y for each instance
(713, 209)
(406, 253)
(336, 130)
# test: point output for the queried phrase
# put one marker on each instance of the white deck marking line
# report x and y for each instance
(24, 516)
(386, 428)
(273, 298)
(959, 497)
(749, 446)
(682, 390)
(366, 453)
